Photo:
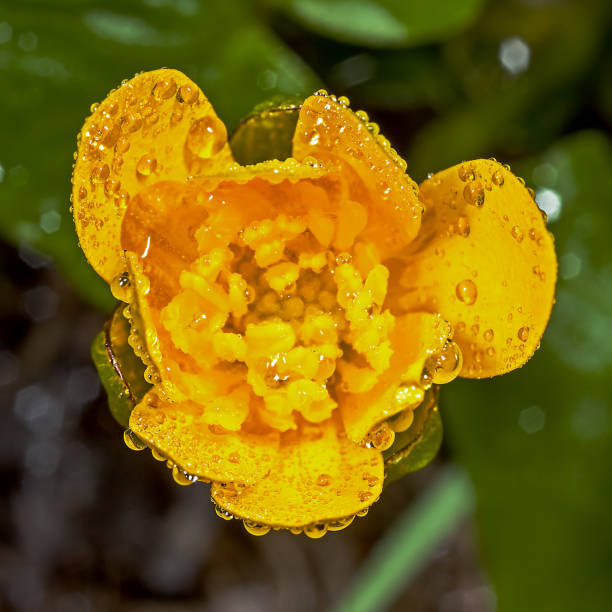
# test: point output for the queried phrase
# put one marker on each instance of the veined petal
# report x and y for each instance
(319, 476)
(158, 125)
(179, 433)
(333, 133)
(416, 337)
(485, 261)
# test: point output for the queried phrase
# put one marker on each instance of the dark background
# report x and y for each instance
(87, 524)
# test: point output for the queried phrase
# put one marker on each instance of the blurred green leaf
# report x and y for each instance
(548, 52)
(538, 442)
(121, 372)
(56, 58)
(383, 23)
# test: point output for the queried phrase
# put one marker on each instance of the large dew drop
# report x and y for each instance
(466, 291)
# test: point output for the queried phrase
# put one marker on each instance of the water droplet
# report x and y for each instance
(445, 365)
(408, 396)
(132, 441)
(517, 233)
(474, 193)
(111, 187)
(488, 335)
(206, 137)
(343, 258)
(82, 193)
(256, 529)
(323, 480)
(234, 458)
(157, 455)
(523, 334)
(498, 178)
(131, 122)
(187, 93)
(466, 173)
(182, 477)
(364, 495)
(164, 89)
(382, 437)
(146, 165)
(120, 286)
(463, 227)
(466, 291)
(490, 351)
(339, 524)
(316, 530)
(224, 514)
(123, 144)
(99, 173)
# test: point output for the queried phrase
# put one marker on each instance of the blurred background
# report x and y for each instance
(88, 525)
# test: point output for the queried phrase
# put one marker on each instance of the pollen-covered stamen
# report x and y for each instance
(301, 317)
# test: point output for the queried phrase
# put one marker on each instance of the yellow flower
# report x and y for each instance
(294, 314)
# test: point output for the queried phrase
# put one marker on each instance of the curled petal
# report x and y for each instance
(158, 125)
(319, 476)
(415, 338)
(333, 133)
(486, 262)
(178, 432)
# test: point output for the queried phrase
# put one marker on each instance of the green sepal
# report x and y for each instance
(119, 369)
(414, 448)
(267, 132)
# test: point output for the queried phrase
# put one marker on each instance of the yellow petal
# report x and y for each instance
(319, 476)
(343, 140)
(158, 125)
(485, 261)
(415, 338)
(178, 432)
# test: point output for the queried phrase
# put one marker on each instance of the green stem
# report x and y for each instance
(409, 543)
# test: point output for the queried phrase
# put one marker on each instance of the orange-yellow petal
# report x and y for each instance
(415, 338)
(341, 139)
(158, 125)
(178, 432)
(485, 261)
(319, 476)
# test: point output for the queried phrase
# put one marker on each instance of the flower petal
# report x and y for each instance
(486, 262)
(416, 336)
(320, 476)
(332, 133)
(155, 126)
(179, 433)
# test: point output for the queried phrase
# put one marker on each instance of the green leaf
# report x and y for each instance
(57, 58)
(121, 372)
(383, 23)
(414, 448)
(538, 442)
(267, 133)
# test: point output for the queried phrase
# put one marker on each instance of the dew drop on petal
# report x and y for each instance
(256, 529)
(132, 441)
(474, 193)
(517, 233)
(188, 94)
(523, 334)
(466, 291)
(206, 137)
(445, 365)
(164, 89)
(99, 173)
(146, 165)
(498, 178)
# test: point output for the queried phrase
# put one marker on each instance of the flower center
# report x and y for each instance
(298, 316)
